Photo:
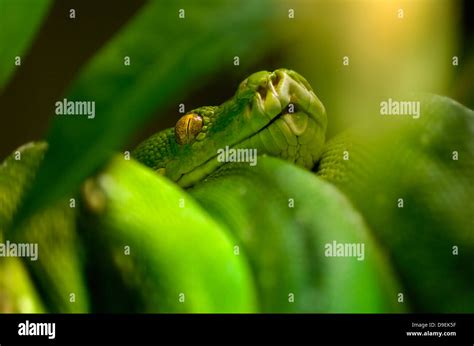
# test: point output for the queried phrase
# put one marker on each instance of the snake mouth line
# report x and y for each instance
(291, 99)
(212, 164)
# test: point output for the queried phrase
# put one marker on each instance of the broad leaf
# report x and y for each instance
(19, 22)
(168, 56)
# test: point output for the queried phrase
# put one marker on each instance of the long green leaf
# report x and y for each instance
(169, 55)
(19, 22)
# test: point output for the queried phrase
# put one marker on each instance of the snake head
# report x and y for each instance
(275, 113)
(274, 94)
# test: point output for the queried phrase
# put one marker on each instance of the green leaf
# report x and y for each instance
(128, 204)
(19, 22)
(18, 292)
(59, 272)
(169, 56)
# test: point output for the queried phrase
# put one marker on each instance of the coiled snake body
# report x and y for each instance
(246, 238)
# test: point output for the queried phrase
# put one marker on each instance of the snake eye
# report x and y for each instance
(187, 128)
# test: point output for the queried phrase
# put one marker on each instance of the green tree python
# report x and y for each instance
(179, 229)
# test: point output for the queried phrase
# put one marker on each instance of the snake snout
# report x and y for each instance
(277, 89)
(295, 93)
(272, 93)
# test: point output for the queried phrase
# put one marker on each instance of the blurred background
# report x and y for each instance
(388, 46)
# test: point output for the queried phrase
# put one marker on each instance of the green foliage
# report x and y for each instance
(154, 249)
(58, 271)
(19, 22)
(17, 293)
(169, 56)
(413, 184)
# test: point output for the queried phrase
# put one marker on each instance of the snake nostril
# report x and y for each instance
(262, 90)
(275, 78)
